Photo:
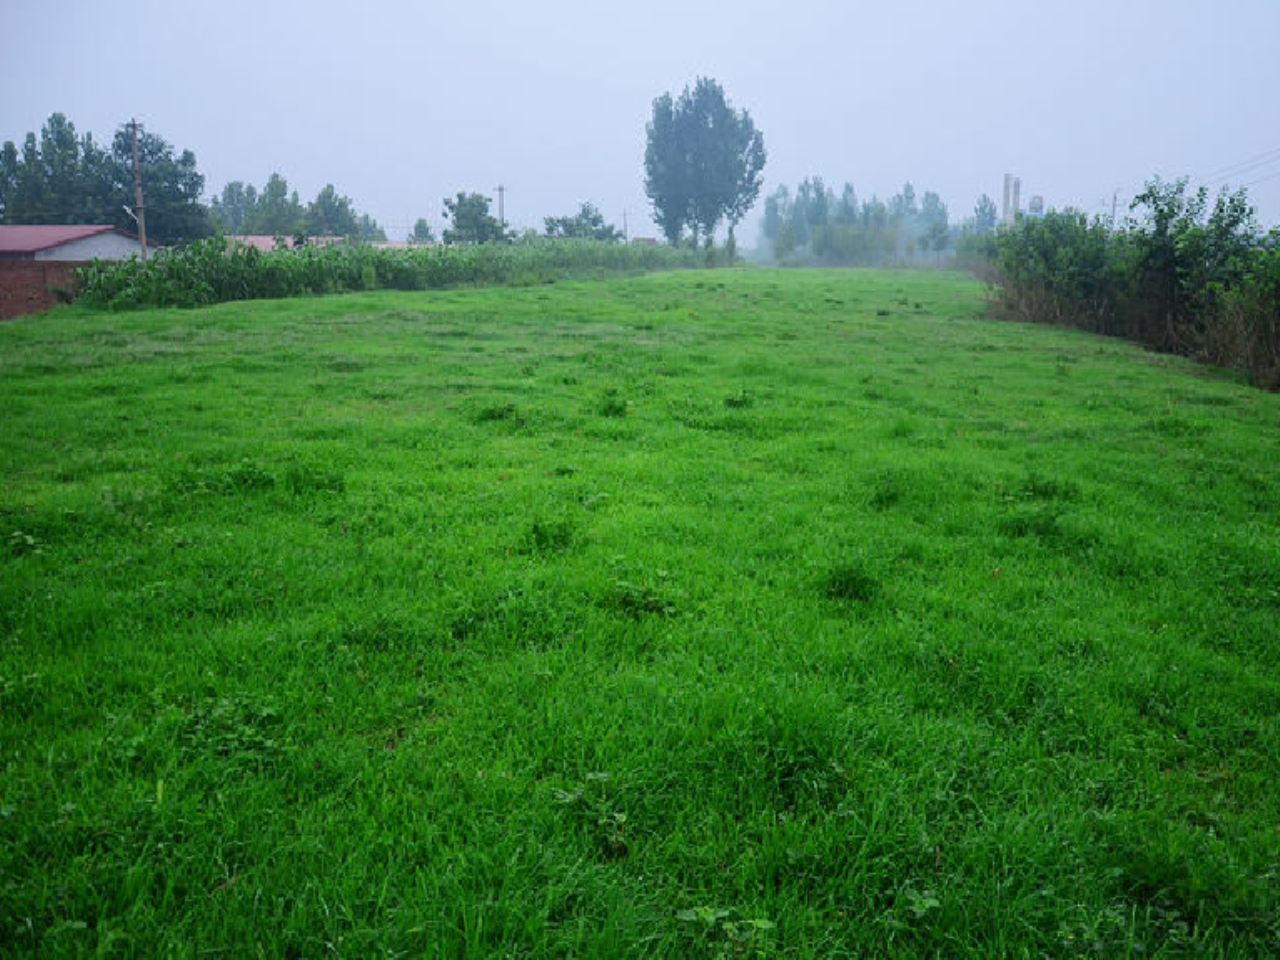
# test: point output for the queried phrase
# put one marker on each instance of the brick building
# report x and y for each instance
(38, 263)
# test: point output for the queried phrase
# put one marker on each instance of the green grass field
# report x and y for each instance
(739, 614)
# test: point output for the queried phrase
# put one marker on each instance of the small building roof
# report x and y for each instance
(34, 238)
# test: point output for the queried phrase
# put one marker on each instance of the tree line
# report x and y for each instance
(814, 224)
(61, 177)
(276, 211)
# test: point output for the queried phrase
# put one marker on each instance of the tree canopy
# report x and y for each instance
(587, 224)
(276, 211)
(65, 178)
(704, 162)
(422, 232)
(470, 220)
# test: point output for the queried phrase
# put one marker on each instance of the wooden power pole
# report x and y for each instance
(137, 193)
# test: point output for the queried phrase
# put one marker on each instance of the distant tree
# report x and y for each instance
(368, 230)
(470, 220)
(587, 224)
(62, 173)
(331, 215)
(422, 232)
(846, 212)
(984, 215)
(935, 233)
(774, 206)
(10, 171)
(903, 206)
(278, 212)
(233, 208)
(31, 202)
(704, 162)
(816, 199)
(785, 243)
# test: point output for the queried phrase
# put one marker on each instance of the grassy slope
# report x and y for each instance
(739, 613)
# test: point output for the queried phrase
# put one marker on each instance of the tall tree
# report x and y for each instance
(666, 166)
(935, 232)
(774, 206)
(704, 162)
(470, 220)
(984, 215)
(10, 171)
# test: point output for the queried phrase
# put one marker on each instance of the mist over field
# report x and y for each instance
(399, 104)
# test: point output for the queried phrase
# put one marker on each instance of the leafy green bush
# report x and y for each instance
(1182, 278)
(216, 270)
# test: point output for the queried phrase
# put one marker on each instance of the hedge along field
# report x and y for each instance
(702, 614)
(218, 271)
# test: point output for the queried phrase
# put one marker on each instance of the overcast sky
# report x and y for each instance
(399, 104)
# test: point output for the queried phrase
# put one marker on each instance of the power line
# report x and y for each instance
(1233, 170)
(1269, 176)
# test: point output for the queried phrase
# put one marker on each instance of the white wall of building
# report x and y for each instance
(104, 246)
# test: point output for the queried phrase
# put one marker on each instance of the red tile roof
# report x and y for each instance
(32, 239)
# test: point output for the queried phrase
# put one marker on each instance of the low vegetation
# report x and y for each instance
(1183, 277)
(217, 270)
(699, 614)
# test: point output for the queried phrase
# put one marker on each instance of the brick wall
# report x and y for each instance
(29, 286)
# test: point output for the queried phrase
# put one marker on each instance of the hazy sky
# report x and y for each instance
(399, 104)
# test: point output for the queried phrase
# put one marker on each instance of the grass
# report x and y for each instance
(729, 614)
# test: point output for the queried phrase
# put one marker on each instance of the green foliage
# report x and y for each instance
(217, 270)
(813, 225)
(234, 207)
(587, 224)
(330, 215)
(422, 232)
(64, 179)
(704, 162)
(984, 216)
(470, 220)
(1180, 278)
(277, 212)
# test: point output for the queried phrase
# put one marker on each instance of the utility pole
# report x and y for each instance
(502, 220)
(137, 193)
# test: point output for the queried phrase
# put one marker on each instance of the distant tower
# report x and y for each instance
(1036, 207)
(1017, 193)
(1006, 213)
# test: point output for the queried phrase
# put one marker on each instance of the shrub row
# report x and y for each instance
(216, 270)
(1180, 277)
